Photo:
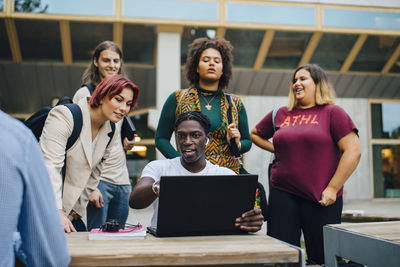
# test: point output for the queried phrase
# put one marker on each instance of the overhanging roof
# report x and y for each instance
(26, 87)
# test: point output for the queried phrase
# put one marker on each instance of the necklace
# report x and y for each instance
(208, 106)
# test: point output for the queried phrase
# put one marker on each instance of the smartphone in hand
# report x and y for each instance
(128, 129)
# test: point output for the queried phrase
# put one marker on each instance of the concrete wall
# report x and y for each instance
(256, 160)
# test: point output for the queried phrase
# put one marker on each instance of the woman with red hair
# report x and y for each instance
(109, 201)
(114, 97)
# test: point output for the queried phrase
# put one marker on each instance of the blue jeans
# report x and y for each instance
(116, 205)
(79, 225)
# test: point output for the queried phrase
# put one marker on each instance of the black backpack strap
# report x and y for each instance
(78, 122)
(90, 86)
(233, 146)
(76, 131)
(111, 134)
(229, 98)
(64, 100)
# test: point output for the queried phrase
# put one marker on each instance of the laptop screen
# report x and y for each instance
(203, 205)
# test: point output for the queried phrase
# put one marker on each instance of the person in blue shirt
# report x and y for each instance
(27, 202)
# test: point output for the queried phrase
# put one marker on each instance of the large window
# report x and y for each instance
(39, 40)
(191, 33)
(139, 43)
(5, 51)
(385, 143)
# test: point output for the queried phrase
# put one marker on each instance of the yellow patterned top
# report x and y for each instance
(218, 149)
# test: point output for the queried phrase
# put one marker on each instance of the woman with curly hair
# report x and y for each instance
(208, 69)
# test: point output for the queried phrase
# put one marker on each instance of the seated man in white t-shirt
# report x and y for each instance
(192, 131)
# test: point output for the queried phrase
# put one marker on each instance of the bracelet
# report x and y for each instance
(156, 188)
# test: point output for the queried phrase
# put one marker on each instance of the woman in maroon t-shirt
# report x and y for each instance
(316, 148)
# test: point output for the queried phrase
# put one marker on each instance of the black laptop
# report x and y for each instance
(203, 205)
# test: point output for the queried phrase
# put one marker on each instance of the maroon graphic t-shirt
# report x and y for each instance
(306, 150)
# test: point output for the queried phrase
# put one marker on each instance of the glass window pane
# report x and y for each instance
(189, 34)
(39, 40)
(1, 5)
(5, 51)
(375, 52)
(139, 43)
(246, 44)
(86, 36)
(386, 164)
(286, 50)
(171, 9)
(332, 50)
(31, 6)
(385, 120)
(70, 7)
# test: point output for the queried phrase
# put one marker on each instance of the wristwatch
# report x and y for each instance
(156, 188)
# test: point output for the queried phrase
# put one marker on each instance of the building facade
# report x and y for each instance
(46, 45)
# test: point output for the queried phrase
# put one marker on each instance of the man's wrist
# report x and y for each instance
(155, 187)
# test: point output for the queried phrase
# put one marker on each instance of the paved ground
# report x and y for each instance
(387, 208)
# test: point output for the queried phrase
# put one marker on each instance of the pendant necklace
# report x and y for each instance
(208, 106)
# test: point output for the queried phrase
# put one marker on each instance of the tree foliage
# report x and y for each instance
(30, 6)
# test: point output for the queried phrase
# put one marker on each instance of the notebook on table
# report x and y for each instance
(203, 205)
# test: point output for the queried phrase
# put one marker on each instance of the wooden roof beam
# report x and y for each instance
(312, 45)
(264, 48)
(13, 40)
(118, 26)
(118, 33)
(66, 42)
(392, 60)
(353, 53)
(8, 7)
(220, 32)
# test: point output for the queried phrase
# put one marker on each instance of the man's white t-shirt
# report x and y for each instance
(173, 167)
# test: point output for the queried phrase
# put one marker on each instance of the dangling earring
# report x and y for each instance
(208, 140)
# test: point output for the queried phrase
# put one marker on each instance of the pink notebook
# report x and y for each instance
(128, 233)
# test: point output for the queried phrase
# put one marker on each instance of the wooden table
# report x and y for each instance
(373, 244)
(178, 251)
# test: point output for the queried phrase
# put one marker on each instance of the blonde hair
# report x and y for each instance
(324, 92)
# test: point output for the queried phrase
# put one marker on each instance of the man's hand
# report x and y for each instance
(129, 144)
(66, 223)
(96, 198)
(250, 221)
